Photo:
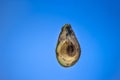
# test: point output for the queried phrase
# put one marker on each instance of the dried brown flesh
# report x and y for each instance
(68, 49)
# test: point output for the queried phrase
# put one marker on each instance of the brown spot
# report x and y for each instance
(70, 50)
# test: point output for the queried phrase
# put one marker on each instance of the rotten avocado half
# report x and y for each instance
(68, 49)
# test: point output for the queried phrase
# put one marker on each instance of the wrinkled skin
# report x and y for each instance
(68, 49)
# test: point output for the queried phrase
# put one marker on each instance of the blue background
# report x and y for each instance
(29, 30)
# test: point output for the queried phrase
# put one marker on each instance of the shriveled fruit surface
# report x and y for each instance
(68, 49)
